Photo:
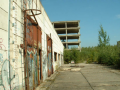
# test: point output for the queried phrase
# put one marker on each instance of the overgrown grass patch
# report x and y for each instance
(108, 55)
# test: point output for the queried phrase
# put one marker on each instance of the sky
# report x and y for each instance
(91, 13)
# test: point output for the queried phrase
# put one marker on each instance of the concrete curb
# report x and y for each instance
(47, 82)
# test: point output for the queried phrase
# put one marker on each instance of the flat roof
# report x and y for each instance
(69, 30)
(72, 43)
(72, 36)
(66, 21)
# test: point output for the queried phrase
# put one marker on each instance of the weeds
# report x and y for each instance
(108, 55)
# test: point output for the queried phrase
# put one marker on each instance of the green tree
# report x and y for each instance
(103, 38)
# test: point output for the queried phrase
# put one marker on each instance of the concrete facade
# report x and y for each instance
(68, 30)
(12, 62)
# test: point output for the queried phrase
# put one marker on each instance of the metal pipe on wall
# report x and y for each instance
(9, 37)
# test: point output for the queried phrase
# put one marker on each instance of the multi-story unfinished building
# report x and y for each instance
(69, 33)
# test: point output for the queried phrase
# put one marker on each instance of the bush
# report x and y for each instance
(66, 56)
(75, 55)
(72, 54)
(109, 55)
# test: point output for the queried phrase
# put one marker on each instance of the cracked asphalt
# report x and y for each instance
(86, 77)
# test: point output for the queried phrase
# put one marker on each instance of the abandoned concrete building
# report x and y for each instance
(68, 30)
(30, 49)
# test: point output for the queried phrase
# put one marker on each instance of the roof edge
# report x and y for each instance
(65, 21)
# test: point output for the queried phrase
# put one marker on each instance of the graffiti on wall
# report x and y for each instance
(36, 73)
(32, 66)
(49, 61)
(44, 60)
(6, 78)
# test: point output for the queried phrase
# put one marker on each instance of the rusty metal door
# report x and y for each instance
(29, 67)
(31, 54)
(49, 55)
(40, 64)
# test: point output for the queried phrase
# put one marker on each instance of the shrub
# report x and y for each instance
(66, 56)
(75, 55)
(72, 54)
(109, 55)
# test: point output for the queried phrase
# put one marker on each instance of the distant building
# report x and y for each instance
(68, 30)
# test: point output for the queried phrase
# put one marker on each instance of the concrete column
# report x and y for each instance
(66, 35)
(79, 46)
(66, 40)
(79, 29)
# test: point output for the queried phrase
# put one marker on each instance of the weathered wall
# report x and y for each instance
(4, 67)
(47, 28)
(17, 79)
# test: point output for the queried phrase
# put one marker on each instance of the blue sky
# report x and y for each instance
(91, 13)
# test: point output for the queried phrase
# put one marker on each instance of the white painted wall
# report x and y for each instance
(16, 38)
(47, 28)
(4, 67)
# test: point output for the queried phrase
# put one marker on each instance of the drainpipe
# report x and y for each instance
(9, 39)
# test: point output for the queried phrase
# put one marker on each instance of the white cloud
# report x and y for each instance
(118, 16)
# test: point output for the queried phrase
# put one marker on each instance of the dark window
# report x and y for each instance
(55, 56)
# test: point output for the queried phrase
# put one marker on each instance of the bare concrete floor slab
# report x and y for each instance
(89, 77)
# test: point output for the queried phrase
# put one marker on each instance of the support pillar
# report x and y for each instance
(79, 46)
(66, 35)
